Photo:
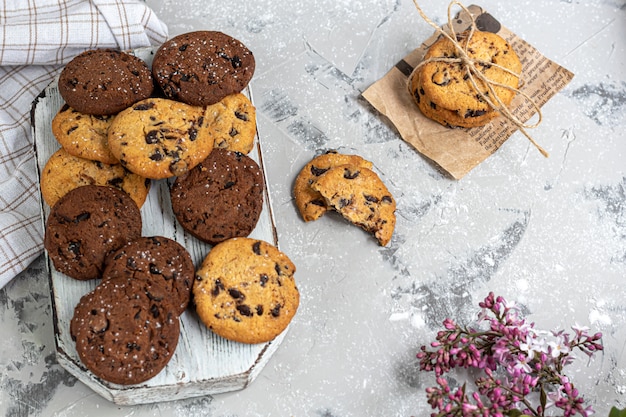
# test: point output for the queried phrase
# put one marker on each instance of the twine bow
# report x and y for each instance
(470, 66)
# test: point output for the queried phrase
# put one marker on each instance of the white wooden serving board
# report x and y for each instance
(203, 363)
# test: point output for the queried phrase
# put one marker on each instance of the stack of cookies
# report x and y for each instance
(443, 89)
(126, 330)
(131, 124)
(123, 125)
(348, 185)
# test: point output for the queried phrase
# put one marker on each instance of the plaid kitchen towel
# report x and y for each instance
(37, 37)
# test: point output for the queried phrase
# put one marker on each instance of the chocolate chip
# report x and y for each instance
(344, 202)
(144, 106)
(233, 132)
(387, 199)
(115, 182)
(317, 171)
(154, 310)
(241, 116)
(244, 310)
(474, 113)
(263, 280)
(132, 346)
(370, 198)
(259, 310)
(319, 203)
(217, 288)
(130, 263)
(276, 310)
(82, 217)
(256, 248)
(74, 247)
(154, 270)
(193, 133)
(229, 184)
(441, 78)
(153, 297)
(349, 175)
(236, 62)
(152, 137)
(234, 293)
(156, 156)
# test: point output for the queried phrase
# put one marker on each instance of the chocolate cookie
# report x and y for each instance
(64, 172)
(83, 135)
(155, 259)
(202, 67)
(309, 202)
(124, 334)
(447, 84)
(245, 290)
(233, 123)
(361, 197)
(220, 198)
(160, 138)
(87, 224)
(104, 81)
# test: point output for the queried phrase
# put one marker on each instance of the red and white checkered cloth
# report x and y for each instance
(37, 37)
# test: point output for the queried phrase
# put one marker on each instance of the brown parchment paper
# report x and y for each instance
(458, 150)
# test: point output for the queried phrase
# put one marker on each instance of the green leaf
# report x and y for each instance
(615, 412)
(518, 413)
(543, 398)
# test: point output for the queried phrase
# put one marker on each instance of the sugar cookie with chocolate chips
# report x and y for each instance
(83, 135)
(447, 84)
(202, 67)
(245, 290)
(124, 334)
(361, 197)
(233, 123)
(310, 202)
(446, 117)
(64, 172)
(160, 138)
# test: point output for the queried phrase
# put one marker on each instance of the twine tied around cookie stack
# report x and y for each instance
(470, 65)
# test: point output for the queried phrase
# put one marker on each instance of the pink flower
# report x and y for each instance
(521, 365)
(558, 347)
(532, 346)
(505, 345)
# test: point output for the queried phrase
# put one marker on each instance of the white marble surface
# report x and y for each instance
(547, 233)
